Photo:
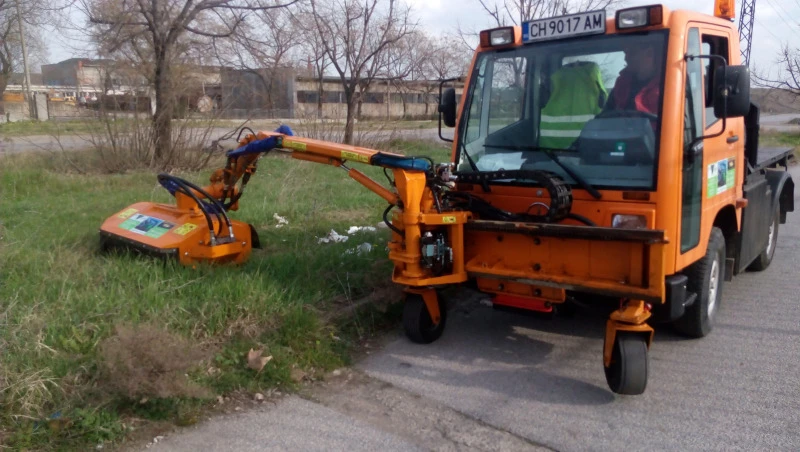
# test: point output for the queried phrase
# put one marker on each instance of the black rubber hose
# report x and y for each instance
(239, 137)
(581, 218)
(214, 200)
(185, 190)
(389, 223)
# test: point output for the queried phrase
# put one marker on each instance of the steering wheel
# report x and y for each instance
(627, 114)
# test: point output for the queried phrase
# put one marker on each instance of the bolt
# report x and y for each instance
(244, 243)
(537, 292)
(186, 253)
(500, 287)
(536, 267)
(499, 238)
(537, 241)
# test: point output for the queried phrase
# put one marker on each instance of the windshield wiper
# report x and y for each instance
(466, 154)
(549, 152)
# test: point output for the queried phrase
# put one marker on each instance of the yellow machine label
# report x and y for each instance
(126, 213)
(294, 145)
(347, 155)
(186, 228)
(449, 219)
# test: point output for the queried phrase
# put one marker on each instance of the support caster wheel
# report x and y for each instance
(417, 322)
(630, 363)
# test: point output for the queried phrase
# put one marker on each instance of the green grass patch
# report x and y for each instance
(67, 311)
(50, 128)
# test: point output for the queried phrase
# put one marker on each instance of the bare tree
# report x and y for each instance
(157, 33)
(788, 78)
(355, 36)
(266, 48)
(32, 13)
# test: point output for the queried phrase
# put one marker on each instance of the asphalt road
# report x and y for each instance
(510, 382)
(47, 143)
(12, 145)
(542, 380)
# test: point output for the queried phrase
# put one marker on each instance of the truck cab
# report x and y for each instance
(646, 117)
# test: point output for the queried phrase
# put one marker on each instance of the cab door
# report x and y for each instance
(711, 170)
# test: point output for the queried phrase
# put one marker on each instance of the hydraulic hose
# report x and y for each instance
(186, 188)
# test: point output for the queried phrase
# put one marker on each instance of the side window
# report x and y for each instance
(692, 189)
(712, 45)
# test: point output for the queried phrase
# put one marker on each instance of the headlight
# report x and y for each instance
(497, 37)
(628, 221)
(640, 17)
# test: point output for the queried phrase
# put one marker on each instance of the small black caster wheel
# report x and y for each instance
(417, 321)
(627, 373)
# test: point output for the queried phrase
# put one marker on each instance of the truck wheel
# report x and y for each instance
(765, 258)
(417, 321)
(627, 373)
(706, 278)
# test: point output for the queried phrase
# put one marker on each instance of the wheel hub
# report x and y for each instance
(713, 285)
(771, 238)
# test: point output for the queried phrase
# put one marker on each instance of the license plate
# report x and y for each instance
(589, 23)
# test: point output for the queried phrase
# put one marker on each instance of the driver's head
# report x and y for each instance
(640, 59)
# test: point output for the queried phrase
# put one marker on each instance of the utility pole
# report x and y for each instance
(27, 82)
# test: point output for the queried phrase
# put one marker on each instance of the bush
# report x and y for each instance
(143, 361)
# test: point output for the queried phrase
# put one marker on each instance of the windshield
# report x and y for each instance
(591, 104)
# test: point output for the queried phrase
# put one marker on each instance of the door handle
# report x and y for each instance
(732, 139)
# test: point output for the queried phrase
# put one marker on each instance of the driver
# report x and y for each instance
(637, 87)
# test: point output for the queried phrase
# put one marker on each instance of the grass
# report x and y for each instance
(62, 302)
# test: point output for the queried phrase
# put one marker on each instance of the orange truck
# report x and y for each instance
(572, 181)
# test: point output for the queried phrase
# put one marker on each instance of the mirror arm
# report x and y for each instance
(690, 154)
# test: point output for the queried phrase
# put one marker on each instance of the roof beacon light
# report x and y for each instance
(497, 37)
(725, 9)
(643, 16)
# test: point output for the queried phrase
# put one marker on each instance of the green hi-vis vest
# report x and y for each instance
(577, 95)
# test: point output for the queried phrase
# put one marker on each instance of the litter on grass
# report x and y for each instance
(354, 229)
(333, 237)
(282, 221)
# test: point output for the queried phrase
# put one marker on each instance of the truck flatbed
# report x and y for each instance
(768, 157)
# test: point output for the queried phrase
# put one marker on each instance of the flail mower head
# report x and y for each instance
(193, 230)
(197, 227)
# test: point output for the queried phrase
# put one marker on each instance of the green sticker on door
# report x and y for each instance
(721, 176)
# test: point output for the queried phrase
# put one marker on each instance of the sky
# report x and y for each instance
(777, 21)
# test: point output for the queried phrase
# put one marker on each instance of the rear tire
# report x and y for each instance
(417, 322)
(706, 278)
(765, 258)
(630, 364)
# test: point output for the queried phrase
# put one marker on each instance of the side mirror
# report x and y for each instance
(447, 107)
(731, 92)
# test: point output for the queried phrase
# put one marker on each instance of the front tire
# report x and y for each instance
(706, 278)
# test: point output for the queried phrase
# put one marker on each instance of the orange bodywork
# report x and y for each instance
(614, 267)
